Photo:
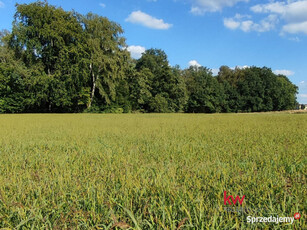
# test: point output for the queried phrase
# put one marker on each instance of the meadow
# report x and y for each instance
(151, 171)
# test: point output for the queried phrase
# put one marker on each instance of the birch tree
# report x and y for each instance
(106, 55)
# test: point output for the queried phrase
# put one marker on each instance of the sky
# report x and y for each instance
(211, 33)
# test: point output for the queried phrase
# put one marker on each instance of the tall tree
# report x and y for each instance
(284, 97)
(205, 93)
(48, 39)
(167, 85)
(140, 89)
(106, 55)
(13, 74)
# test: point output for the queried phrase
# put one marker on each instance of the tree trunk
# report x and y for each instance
(94, 87)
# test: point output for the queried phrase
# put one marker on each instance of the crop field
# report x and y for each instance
(152, 171)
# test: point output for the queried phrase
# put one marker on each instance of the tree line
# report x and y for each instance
(61, 61)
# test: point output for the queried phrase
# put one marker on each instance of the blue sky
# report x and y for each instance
(211, 33)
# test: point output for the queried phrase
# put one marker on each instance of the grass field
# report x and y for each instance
(151, 171)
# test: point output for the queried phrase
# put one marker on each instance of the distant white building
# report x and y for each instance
(302, 107)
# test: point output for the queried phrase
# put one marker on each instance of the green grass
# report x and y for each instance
(151, 171)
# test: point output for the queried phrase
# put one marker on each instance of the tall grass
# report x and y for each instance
(153, 171)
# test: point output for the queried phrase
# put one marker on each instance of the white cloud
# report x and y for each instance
(138, 17)
(240, 67)
(238, 22)
(2, 4)
(197, 10)
(194, 63)
(246, 26)
(230, 23)
(303, 85)
(240, 16)
(215, 71)
(102, 5)
(201, 6)
(268, 23)
(294, 28)
(284, 72)
(303, 95)
(273, 7)
(136, 51)
(294, 13)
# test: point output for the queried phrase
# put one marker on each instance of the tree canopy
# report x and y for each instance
(61, 61)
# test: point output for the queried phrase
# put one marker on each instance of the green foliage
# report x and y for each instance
(257, 89)
(13, 74)
(160, 82)
(49, 41)
(285, 95)
(140, 89)
(205, 93)
(106, 59)
(62, 61)
(159, 104)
